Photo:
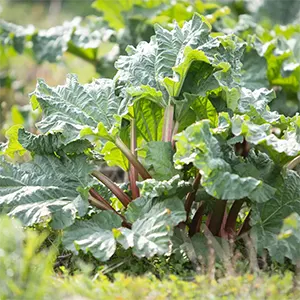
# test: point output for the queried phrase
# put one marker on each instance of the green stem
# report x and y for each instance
(133, 175)
(168, 124)
(125, 200)
(132, 159)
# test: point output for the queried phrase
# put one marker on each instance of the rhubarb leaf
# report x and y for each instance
(114, 157)
(45, 189)
(267, 218)
(94, 235)
(149, 236)
(143, 206)
(50, 143)
(197, 145)
(159, 160)
(72, 107)
(289, 235)
(148, 117)
(280, 149)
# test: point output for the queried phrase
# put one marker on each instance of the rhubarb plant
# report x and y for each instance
(202, 149)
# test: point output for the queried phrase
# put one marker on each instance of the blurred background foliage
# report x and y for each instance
(18, 73)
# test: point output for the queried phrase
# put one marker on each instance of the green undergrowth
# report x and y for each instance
(26, 272)
(246, 286)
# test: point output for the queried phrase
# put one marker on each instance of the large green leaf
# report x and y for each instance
(167, 58)
(94, 235)
(197, 145)
(45, 189)
(161, 190)
(290, 236)
(51, 44)
(149, 236)
(72, 107)
(280, 149)
(267, 218)
(138, 67)
(257, 101)
(171, 44)
(146, 206)
(148, 117)
(156, 196)
(159, 160)
(254, 70)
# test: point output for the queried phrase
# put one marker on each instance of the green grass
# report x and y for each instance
(239, 287)
(26, 272)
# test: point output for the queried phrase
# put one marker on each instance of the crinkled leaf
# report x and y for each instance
(257, 101)
(73, 107)
(195, 61)
(267, 218)
(172, 44)
(148, 120)
(152, 188)
(159, 160)
(51, 44)
(138, 67)
(94, 235)
(197, 145)
(157, 196)
(149, 236)
(280, 149)
(46, 188)
(50, 143)
(146, 206)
